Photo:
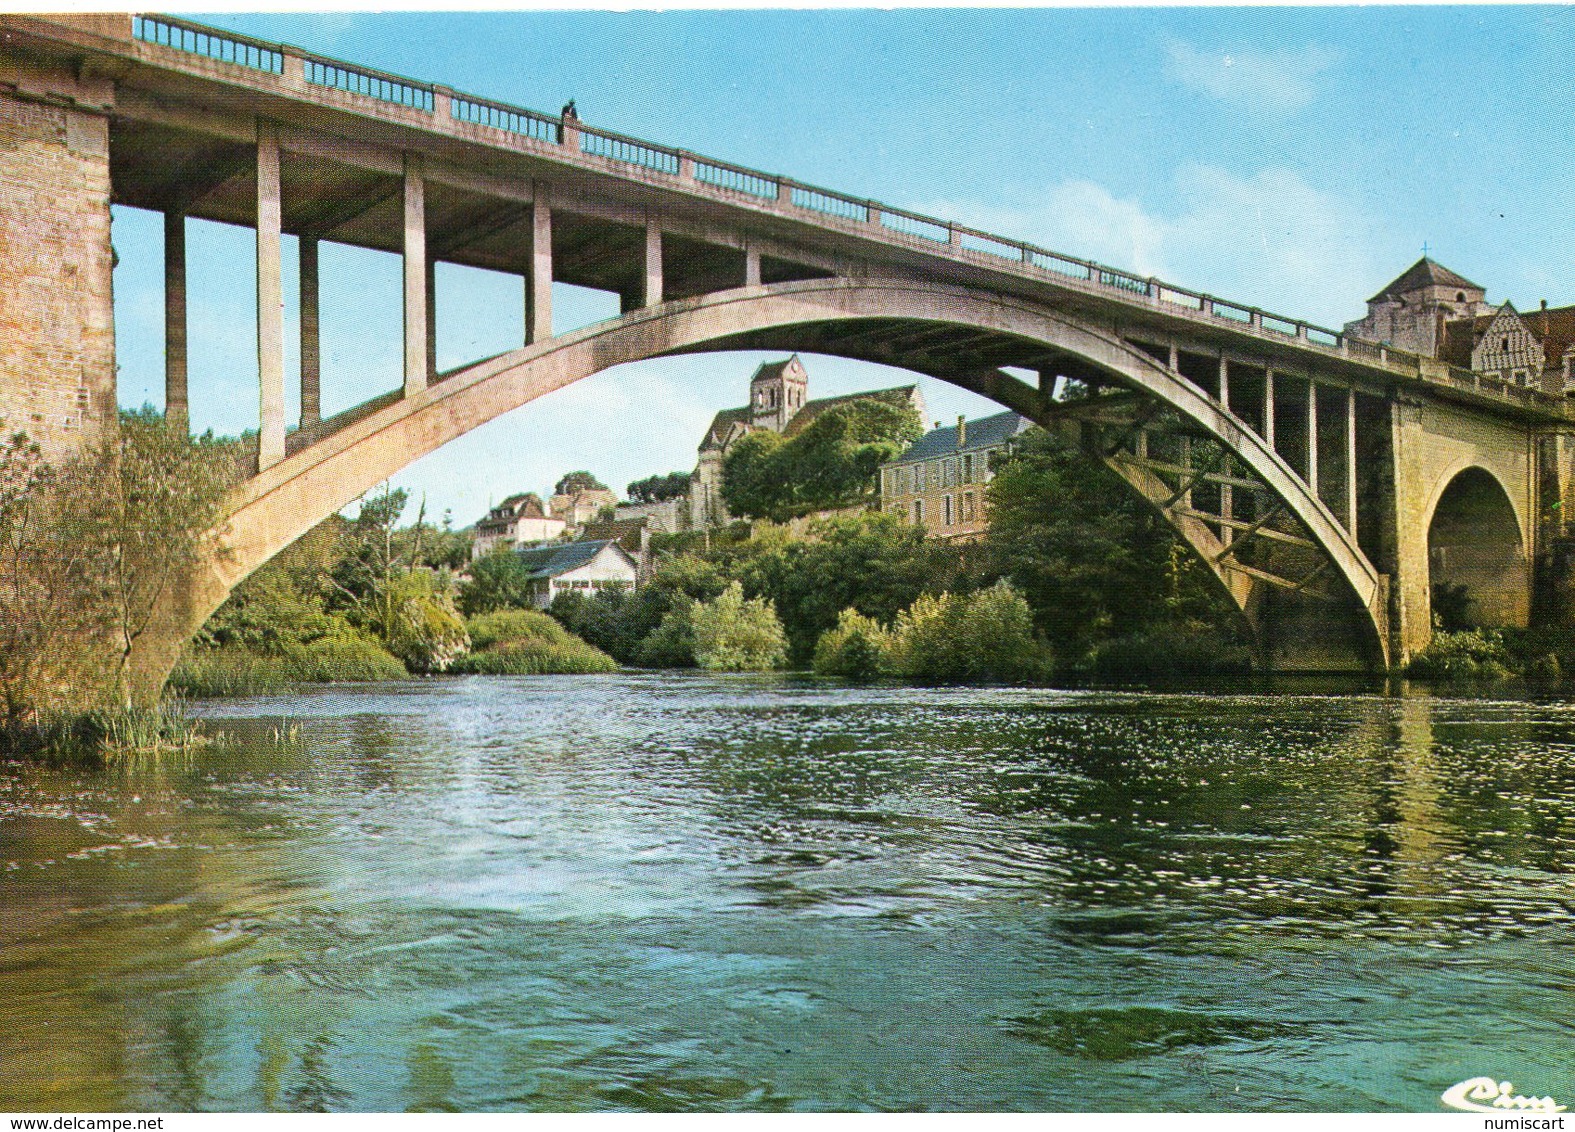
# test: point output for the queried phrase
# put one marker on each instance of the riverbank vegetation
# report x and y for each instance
(91, 547)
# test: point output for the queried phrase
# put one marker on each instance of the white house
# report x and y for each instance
(578, 567)
(517, 521)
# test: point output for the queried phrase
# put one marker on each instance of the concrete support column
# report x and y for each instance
(1350, 461)
(1175, 359)
(653, 264)
(1186, 470)
(415, 277)
(751, 267)
(1312, 437)
(270, 301)
(176, 412)
(538, 282)
(311, 348)
(1268, 406)
(1227, 500)
(431, 289)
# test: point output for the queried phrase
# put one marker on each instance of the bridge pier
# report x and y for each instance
(415, 271)
(176, 407)
(538, 277)
(311, 356)
(270, 300)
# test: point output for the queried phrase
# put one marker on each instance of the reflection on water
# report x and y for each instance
(665, 894)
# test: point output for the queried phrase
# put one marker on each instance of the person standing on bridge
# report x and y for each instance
(569, 112)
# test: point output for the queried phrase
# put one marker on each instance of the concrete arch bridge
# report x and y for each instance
(1328, 483)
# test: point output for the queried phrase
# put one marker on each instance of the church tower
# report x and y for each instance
(1410, 313)
(777, 392)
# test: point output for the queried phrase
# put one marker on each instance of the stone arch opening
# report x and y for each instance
(1477, 571)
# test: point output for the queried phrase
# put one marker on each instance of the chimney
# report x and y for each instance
(962, 430)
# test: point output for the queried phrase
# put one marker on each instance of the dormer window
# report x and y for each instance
(1460, 296)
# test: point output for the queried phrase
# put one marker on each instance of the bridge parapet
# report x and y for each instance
(173, 43)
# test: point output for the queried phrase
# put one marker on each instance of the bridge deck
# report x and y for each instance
(187, 98)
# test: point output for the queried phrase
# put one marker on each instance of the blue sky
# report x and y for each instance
(1296, 159)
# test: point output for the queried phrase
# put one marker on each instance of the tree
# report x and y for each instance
(1093, 561)
(656, 489)
(499, 580)
(575, 482)
(831, 464)
(158, 495)
(736, 634)
(751, 477)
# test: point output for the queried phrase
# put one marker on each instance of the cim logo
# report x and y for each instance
(1484, 1094)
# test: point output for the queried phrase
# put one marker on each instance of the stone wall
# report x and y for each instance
(57, 336)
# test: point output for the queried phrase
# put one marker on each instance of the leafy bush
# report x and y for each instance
(985, 637)
(672, 643)
(499, 580)
(525, 642)
(414, 614)
(534, 657)
(1471, 654)
(737, 634)
(236, 670)
(858, 648)
(491, 629)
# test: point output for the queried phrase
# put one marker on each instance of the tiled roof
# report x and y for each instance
(722, 424)
(560, 558)
(1423, 273)
(1554, 328)
(986, 432)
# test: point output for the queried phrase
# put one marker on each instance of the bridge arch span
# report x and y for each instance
(1478, 572)
(286, 500)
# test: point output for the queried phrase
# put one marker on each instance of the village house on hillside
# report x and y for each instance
(1430, 310)
(518, 520)
(938, 483)
(779, 401)
(578, 567)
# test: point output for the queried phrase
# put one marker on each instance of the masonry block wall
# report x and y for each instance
(57, 336)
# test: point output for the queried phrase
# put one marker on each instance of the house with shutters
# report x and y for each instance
(939, 482)
(517, 521)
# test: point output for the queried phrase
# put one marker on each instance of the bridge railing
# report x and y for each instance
(537, 129)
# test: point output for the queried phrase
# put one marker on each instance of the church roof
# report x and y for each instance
(986, 432)
(1424, 272)
(772, 370)
(723, 422)
(559, 558)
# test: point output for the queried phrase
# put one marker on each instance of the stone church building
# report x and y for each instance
(1432, 311)
(779, 401)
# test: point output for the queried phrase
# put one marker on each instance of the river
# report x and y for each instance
(660, 892)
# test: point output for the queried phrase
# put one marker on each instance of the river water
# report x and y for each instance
(661, 892)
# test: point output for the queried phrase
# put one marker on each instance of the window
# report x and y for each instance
(948, 473)
(967, 468)
(918, 511)
(946, 511)
(967, 507)
(1505, 343)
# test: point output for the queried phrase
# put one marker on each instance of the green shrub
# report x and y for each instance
(735, 634)
(672, 643)
(985, 637)
(535, 657)
(1470, 654)
(858, 648)
(525, 642)
(491, 629)
(413, 612)
(233, 670)
(343, 656)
